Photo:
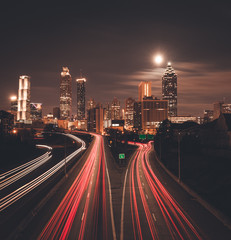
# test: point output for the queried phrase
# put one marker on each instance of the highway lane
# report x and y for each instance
(14, 196)
(86, 211)
(148, 209)
(16, 204)
(17, 173)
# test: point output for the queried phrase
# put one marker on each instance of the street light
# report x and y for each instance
(179, 162)
(65, 153)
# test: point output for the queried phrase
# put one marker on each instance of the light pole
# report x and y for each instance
(160, 148)
(179, 158)
(65, 155)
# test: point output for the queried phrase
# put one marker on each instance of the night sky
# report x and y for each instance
(114, 44)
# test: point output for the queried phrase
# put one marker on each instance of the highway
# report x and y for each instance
(87, 204)
(97, 199)
(20, 187)
(149, 211)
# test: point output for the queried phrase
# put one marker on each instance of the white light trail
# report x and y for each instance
(22, 191)
(17, 173)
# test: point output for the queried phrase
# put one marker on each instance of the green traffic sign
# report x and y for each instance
(142, 136)
(150, 137)
(122, 156)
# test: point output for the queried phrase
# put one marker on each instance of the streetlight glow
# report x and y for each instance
(13, 98)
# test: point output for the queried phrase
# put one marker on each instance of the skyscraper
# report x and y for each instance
(14, 106)
(24, 98)
(153, 111)
(56, 112)
(129, 112)
(169, 89)
(91, 104)
(115, 109)
(137, 116)
(35, 111)
(81, 98)
(95, 119)
(145, 90)
(107, 111)
(65, 94)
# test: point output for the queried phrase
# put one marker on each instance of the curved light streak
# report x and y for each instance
(178, 223)
(85, 190)
(28, 187)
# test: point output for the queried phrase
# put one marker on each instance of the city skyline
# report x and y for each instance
(115, 120)
(120, 53)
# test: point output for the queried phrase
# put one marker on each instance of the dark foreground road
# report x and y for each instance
(97, 199)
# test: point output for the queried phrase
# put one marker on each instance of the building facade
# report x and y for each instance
(220, 107)
(65, 94)
(144, 90)
(81, 90)
(169, 90)
(95, 119)
(14, 106)
(129, 113)
(208, 116)
(23, 113)
(56, 112)
(91, 104)
(6, 123)
(153, 112)
(182, 119)
(35, 111)
(137, 116)
(115, 109)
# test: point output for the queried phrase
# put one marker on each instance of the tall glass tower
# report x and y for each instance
(169, 89)
(115, 109)
(65, 94)
(81, 90)
(23, 98)
(144, 90)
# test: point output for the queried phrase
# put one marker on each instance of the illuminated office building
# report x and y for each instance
(221, 107)
(137, 116)
(91, 104)
(95, 119)
(144, 90)
(107, 111)
(81, 98)
(14, 106)
(129, 113)
(65, 94)
(169, 90)
(23, 113)
(35, 111)
(115, 109)
(153, 112)
(208, 116)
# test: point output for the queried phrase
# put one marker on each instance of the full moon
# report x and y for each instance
(158, 59)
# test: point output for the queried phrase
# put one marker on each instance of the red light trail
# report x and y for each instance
(82, 202)
(145, 189)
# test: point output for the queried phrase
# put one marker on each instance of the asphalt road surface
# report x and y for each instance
(97, 199)
(156, 207)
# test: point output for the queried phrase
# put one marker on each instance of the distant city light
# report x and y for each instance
(14, 131)
(13, 98)
(158, 59)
